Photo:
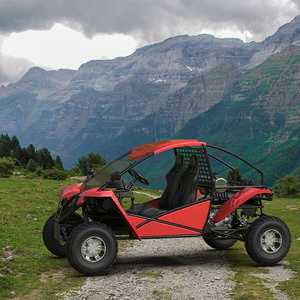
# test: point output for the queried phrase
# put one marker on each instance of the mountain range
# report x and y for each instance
(243, 96)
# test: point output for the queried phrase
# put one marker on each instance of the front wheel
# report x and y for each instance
(92, 248)
(268, 240)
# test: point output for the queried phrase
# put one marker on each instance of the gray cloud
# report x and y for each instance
(149, 21)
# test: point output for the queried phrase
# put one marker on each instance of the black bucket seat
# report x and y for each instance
(181, 188)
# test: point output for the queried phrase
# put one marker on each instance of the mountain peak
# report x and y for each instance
(288, 34)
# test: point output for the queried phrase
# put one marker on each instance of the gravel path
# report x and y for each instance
(180, 268)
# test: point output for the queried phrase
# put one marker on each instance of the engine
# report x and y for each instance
(224, 223)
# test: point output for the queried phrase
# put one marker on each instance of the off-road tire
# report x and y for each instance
(219, 244)
(268, 240)
(50, 242)
(103, 246)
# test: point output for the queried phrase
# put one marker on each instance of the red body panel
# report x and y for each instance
(236, 200)
(192, 216)
(160, 146)
(70, 191)
(135, 221)
(154, 228)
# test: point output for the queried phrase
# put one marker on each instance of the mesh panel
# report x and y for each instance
(205, 174)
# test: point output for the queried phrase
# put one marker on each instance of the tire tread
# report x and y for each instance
(250, 237)
(72, 238)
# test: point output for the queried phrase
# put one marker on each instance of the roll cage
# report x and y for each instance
(207, 178)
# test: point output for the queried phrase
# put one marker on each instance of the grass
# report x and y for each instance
(149, 274)
(35, 273)
(249, 286)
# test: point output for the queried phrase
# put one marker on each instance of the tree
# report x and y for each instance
(234, 175)
(31, 152)
(32, 165)
(91, 160)
(45, 159)
(5, 145)
(10, 147)
(289, 185)
(7, 166)
(58, 163)
(14, 146)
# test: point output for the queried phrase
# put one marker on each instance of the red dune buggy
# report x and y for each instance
(195, 202)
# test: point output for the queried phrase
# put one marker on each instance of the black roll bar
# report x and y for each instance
(240, 158)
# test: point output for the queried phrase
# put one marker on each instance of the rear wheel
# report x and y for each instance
(54, 246)
(92, 248)
(219, 244)
(268, 240)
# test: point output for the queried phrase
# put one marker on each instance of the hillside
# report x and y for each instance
(259, 118)
(152, 94)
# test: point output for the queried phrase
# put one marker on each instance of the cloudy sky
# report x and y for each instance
(56, 34)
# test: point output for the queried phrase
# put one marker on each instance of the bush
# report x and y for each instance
(7, 166)
(32, 165)
(31, 175)
(55, 174)
(39, 171)
(289, 185)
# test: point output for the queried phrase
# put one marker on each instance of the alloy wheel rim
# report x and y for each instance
(271, 241)
(93, 249)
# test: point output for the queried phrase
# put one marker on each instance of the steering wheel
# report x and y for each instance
(137, 176)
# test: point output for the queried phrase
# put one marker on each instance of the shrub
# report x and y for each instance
(55, 174)
(39, 171)
(32, 165)
(7, 166)
(289, 185)
(31, 175)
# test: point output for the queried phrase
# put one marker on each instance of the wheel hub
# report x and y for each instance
(93, 249)
(271, 241)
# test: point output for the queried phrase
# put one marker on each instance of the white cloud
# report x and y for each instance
(11, 68)
(62, 47)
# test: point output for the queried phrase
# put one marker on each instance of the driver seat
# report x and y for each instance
(173, 178)
(185, 193)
